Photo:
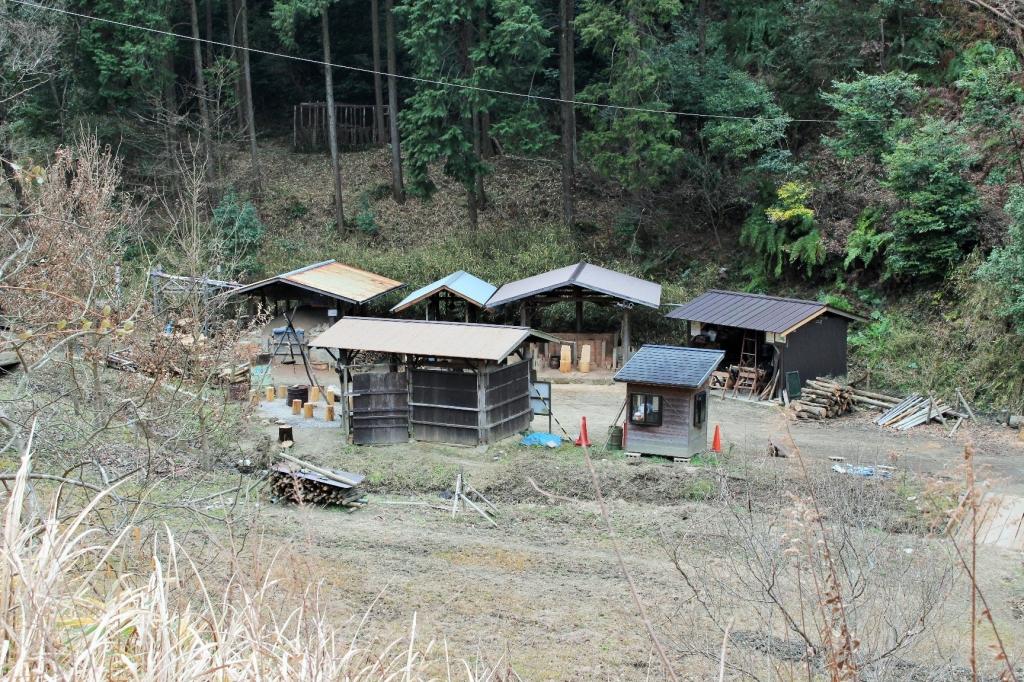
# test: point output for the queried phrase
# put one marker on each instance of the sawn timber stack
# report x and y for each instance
(291, 483)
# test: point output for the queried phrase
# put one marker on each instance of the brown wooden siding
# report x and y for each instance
(817, 349)
(508, 401)
(380, 408)
(672, 438)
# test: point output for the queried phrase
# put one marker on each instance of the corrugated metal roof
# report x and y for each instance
(585, 275)
(670, 366)
(754, 311)
(460, 283)
(331, 279)
(428, 338)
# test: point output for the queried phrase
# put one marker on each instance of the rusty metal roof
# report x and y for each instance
(670, 366)
(426, 338)
(586, 276)
(754, 311)
(330, 279)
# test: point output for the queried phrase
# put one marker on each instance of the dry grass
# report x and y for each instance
(78, 604)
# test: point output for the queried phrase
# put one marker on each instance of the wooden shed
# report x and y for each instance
(667, 399)
(444, 382)
(769, 342)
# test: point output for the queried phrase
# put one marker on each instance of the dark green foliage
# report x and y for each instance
(499, 44)
(239, 226)
(366, 219)
(991, 77)
(869, 108)
(636, 149)
(126, 65)
(1005, 265)
(936, 225)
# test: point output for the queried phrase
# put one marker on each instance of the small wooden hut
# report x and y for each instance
(667, 400)
(769, 342)
(445, 382)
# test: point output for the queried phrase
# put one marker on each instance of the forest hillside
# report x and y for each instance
(868, 154)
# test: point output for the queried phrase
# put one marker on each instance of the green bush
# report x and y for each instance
(1005, 265)
(785, 232)
(242, 232)
(936, 225)
(869, 108)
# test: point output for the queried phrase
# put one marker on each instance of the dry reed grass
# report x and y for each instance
(73, 608)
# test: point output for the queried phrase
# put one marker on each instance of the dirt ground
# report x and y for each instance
(543, 592)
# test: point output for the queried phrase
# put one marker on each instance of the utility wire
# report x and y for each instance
(428, 81)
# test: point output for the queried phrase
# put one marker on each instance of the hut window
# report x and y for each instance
(645, 409)
(700, 408)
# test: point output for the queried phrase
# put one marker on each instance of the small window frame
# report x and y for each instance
(700, 409)
(652, 417)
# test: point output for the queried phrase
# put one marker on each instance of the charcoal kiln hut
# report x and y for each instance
(445, 382)
(458, 294)
(769, 342)
(583, 283)
(667, 399)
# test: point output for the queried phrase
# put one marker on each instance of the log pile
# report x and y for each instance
(290, 483)
(823, 399)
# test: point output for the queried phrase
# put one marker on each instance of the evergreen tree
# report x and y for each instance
(495, 44)
(633, 148)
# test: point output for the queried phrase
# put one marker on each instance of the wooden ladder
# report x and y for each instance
(746, 377)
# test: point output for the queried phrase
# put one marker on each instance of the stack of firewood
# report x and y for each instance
(305, 486)
(823, 399)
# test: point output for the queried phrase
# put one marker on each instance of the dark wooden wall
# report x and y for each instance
(507, 400)
(444, 406)
(380, 408)
(817, 349)
(676, 437)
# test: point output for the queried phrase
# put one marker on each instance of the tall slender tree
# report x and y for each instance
(397, 185)
(250, 114)
(378, 87)
(567, 92)
(204, 108)
(285, 14)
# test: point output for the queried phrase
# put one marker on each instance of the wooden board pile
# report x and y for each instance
(289, 483)
(823, 399)
(915, 410)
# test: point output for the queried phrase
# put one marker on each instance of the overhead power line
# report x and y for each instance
(417, 79)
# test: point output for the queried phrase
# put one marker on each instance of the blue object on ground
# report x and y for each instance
(863, 472)
(542, 439)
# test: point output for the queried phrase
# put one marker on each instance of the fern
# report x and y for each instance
(865, 243)
(808, 251)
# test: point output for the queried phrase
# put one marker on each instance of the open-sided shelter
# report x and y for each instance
(579, 283)
(338, 288)
(767, 339)
(667, 399)
(448, 292)
(328, 284)
(447, 382)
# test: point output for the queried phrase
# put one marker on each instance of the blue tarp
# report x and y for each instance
(863, 472)
(542, 439)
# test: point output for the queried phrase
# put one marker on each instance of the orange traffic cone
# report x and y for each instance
(716, 442)
(584, 439)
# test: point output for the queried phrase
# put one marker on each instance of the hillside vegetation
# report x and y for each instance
(865, 154)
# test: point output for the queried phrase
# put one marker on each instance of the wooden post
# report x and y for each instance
(307, 411)
(625, 336)
(282, 391)
(523, 316)
(481, 403)
(296, 406)
(579, 325)
(344, 403)
(330, 397)
(329, 413)
(314, 394)
(270, 393)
